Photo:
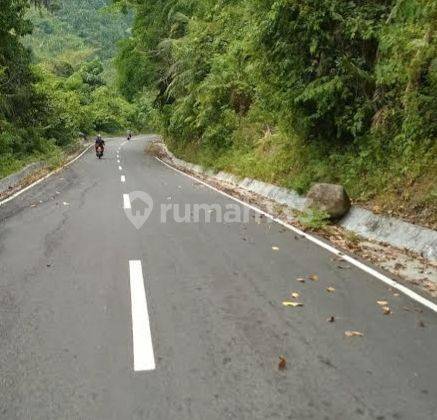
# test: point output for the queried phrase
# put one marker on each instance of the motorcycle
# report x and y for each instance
(99, 151)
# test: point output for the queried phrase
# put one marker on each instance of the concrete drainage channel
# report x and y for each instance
(31, 175)
(15, 180)
(395, 232)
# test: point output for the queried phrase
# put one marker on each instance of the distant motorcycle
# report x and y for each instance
(129, 136)
(99, 151)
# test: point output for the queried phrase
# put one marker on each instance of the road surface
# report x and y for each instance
(101, 320)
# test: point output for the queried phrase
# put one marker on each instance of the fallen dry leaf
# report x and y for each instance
(301, 279)
(353, 334)
(386, 310)
(382, 302)
(295, 295)
(282, 363)
(313, 277)
(421, 324)
(330, 289)
(331, 318)
(275, 248)
(65, 203)
(292, 304)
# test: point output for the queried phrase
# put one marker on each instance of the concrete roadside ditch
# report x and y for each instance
(32, 174)
(14, 180)
(389, 230)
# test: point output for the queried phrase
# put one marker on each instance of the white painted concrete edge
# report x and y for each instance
(390, 230)
(38, 181)
(14, 180)
(387, 280)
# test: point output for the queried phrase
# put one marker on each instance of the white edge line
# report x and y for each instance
(123, 178)
(392, 283)
(126, 202)
(144, 358)
(18, 193)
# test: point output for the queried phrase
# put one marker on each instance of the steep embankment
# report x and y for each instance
(294, 92)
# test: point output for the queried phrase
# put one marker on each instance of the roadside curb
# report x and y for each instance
(390, 230)
(20, 178)
(12, 181)
(326, 245)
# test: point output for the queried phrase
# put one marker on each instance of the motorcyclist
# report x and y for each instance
(129, 134)
(100, 141)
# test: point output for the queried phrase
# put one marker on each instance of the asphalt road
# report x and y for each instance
(201, 335)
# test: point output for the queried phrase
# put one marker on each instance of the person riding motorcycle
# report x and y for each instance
(100, 146)
(100, 141)
(129, 134)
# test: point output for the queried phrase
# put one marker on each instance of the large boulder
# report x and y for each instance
(331, 198)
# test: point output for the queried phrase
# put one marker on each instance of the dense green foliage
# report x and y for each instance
(74, 42)
(293, 91)
(55, 77)
(77, 30)
(24, 111)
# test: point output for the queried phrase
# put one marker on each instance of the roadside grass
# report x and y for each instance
(52, 155)
(384, 181)
(314, 219)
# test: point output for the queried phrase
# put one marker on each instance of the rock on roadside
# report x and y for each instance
(331, 198)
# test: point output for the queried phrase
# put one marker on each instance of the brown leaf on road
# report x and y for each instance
(421, 324)
(331, 319)
(295, 295)
(300, 280)
(330, 289)
(313, 277)
(275, 248)
(282, 363)
(353, 334)
(382, 302)
(386, 310)
(292, 304)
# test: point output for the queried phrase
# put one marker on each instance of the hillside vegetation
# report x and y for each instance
(295, 91)
(56, 78)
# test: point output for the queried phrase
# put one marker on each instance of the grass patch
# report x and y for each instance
(314, 219)
(52, 155)
(395, 183)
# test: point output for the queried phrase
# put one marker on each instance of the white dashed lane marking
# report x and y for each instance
(144, 358)
(126, 202)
